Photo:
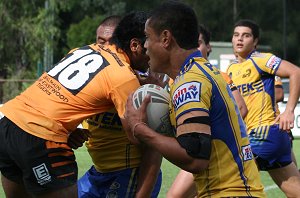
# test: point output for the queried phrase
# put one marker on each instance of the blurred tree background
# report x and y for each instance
(36, 34)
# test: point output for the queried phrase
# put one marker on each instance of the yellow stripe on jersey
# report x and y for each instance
(132, 183)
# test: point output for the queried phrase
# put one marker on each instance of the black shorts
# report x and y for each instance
(39, 164)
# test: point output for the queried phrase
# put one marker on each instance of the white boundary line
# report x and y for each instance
(267, 188)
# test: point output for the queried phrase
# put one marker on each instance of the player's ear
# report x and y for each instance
(166, 37)
(134, 44)
(255, 42)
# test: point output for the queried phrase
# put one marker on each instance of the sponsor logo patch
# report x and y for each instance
(188, 92)
(247, 153)
(42, 174)
(273, 62)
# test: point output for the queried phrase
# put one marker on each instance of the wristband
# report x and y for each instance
(135, 125)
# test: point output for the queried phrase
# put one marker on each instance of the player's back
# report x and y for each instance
(90, 80)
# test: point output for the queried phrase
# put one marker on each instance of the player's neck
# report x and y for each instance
(241, 59)
(177, 60)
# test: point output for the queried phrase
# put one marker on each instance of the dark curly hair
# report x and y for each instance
(131, 26)
(250, 24)
(180, 19)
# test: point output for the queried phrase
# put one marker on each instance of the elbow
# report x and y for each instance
(279, 98)
(197, 166)
(244, 112)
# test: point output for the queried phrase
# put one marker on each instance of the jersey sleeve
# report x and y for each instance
(267, 62)
(121, 86)
(121, 93)
(229, 81)
(192, 94)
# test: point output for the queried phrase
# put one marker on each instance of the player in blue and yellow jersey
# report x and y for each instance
(254, 75)
(35, 158)
(184, 185)
(210, 133)
(116, 162)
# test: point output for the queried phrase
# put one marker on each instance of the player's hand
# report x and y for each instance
(135, 116)
(285, 120)
(153, 78)
(78, 137)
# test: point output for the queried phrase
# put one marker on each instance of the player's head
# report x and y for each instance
(130, 37)
(179, 19)
(171, 23)
(250, 24)
(245, 37)
(203, 41)
(106, 28)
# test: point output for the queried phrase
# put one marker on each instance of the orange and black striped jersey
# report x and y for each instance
(88, 81)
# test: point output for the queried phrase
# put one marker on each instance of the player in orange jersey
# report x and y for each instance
(116, 162)
(35, 158)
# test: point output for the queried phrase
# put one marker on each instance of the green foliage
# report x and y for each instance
(83, 33)
(46, 30)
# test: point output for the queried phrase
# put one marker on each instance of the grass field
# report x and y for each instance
(170, 171)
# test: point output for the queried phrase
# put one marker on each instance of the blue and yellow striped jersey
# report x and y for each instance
(255, 79)
(108, 145)
(232, 170)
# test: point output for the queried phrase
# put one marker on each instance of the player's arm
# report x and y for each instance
(279, 94)
(78, 137)
(153, 78)
(237, 95)
(149, 167)
(190, 150)
(148, 173)
(240, 102)
(291, 71)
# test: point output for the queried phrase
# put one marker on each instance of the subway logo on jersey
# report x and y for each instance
(185, 93)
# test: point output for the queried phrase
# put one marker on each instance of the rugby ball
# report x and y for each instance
(157, 109)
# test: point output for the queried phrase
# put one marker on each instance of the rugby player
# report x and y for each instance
(254, 75)
(210, 133)
(116, 162)
(35, 159)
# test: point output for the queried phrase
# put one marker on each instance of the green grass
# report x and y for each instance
(170, 171)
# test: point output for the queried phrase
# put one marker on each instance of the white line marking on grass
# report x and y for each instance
(267, 188)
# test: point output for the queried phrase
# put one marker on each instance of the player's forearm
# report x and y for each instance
(170, 149)
(240, 103)
(294, 91)
(148, 173)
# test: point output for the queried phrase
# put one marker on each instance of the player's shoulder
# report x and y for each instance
(232, 65)
(261, 55)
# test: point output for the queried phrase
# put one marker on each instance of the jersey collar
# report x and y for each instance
(250, 54)
(190, 59)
